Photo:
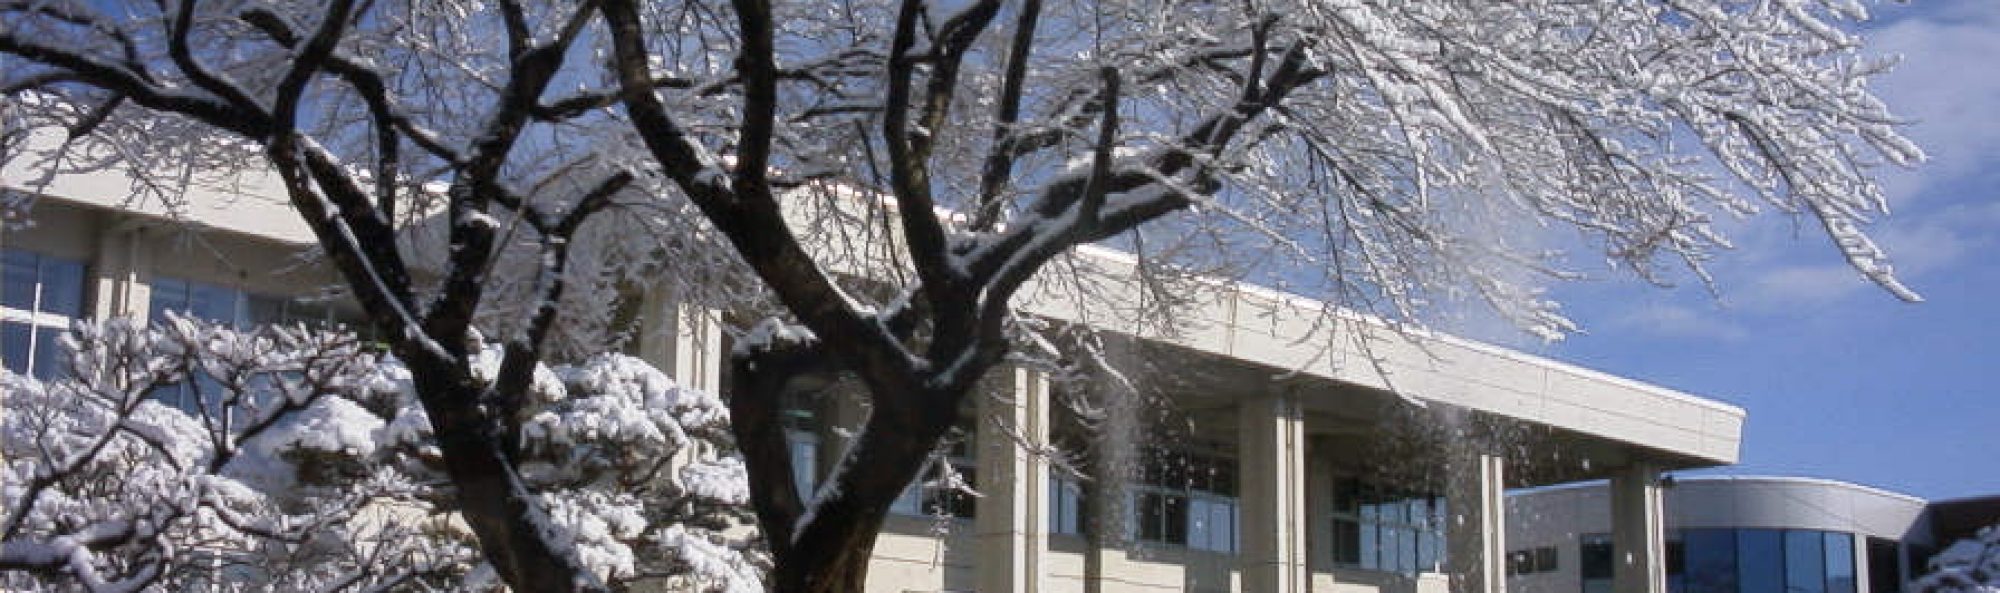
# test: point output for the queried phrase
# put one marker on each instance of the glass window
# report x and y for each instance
(40, 297)
(1839, 563)
(1805, 562)
(1387, 529)
(1760, 560)
(62, 287)
(1709, 560)
(1212, 523)
(17, 344)
(804, 448)
(932, 493)
(1162, 517)
(199, 300)
(1187, 499)
(51, 357)
(1066, 505)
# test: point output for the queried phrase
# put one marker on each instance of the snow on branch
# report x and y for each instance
(188, 456)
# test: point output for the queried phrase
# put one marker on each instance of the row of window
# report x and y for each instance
(1738, 561)
(41, 296)
(1180, 499)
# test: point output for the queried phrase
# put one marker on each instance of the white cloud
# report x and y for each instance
(1924, 247)
(1674, 321)
(1796, 287)
(1944, 83)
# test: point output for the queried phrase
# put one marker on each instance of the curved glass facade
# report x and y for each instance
(1740, 561)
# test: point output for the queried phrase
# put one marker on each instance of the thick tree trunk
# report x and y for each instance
(830, 551)
(509, 522)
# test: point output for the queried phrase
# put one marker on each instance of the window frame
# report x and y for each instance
(44, 326)
(1184, 480)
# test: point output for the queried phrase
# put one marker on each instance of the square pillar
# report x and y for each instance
(1271, 454)
(1012, 523)
(1476, 523)
(682, 339)
(1638, 531)
(119, 273)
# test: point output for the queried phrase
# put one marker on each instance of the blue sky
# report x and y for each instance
(1842, 380)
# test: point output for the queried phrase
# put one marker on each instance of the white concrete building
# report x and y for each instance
(1301, 466)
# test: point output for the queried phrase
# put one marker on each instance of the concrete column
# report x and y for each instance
(683, 339)
(1013, 481)
(1272, 462)
(1863, 569)
(1476, 523)
(118, 274)
(1638, 531)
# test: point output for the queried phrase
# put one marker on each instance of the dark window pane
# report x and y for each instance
(1919, 556)
(62, 287)
(16, 344)
(1545, 560)
(17, 282)
(1710, 560)
(1594, 556)
(265, 310)
(941, 500)
(1150, 512)
(167, 295)
(1884, 576)
(1347, 495)
(1839, 563)
(1805, 562)
(1175, 521)
(51, 358)
(1676, 555)
(213, 303)
(1347, 541)
(1760, 561)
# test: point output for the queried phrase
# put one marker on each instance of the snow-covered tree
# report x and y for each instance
(302, 461)
(883, 177)
(1970, 565)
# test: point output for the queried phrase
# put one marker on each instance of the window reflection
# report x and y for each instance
(1760, 560)
(1805, 562)
(1710, 560)
(1737, 561)
(1839, 563)
(1187, 498)
(1377, 527)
